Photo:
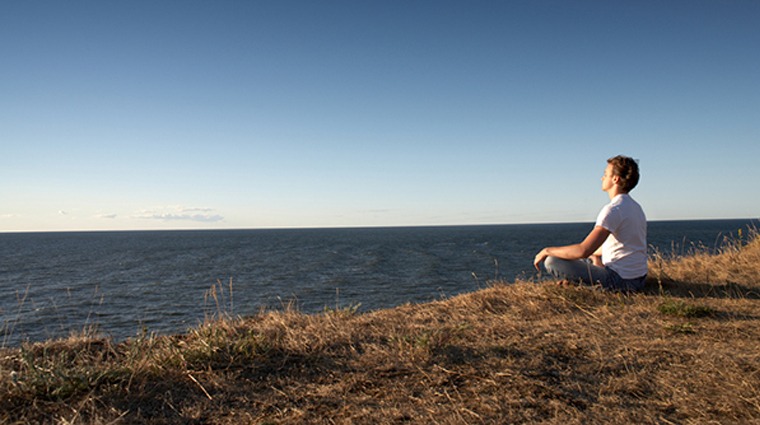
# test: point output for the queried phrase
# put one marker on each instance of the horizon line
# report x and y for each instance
(337, 227)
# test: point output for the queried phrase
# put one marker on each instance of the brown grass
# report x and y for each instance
(685, 351)
(732, 272)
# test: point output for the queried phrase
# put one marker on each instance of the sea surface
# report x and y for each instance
(126, 283)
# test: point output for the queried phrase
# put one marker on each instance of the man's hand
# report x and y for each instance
(540, 257)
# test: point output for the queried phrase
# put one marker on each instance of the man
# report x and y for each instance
(614, 254)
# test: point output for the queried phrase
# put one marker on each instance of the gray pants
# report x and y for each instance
(585, 272)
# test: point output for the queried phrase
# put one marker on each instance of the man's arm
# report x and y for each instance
(585, 249)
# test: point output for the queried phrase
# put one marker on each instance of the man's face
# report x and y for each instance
(608, 178)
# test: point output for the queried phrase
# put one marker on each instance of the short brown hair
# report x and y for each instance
(627, 169)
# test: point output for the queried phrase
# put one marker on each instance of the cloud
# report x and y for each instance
(201, 215)
(187, 210)
(204, 218)
(107, 216)
(61, 212)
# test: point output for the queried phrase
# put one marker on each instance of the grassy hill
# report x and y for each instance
(685, 351)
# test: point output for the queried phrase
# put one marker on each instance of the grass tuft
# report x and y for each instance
(682, 309)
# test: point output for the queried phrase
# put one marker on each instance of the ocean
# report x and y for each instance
(123, 284)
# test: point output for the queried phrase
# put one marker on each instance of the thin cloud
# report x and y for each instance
(204, 218)
(107, 216)
(200, 215)
(188, 210)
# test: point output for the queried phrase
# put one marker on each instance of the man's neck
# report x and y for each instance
(615, 191)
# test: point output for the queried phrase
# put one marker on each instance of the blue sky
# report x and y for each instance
(248, 114)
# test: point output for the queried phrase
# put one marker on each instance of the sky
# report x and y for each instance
(122, 115)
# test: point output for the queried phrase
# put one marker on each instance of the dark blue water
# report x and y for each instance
(52, 284)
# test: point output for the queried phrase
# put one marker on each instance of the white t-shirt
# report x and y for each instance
(625, 250)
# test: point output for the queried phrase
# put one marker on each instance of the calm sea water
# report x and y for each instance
(52, 284)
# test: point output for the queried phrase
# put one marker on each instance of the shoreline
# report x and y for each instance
(509, 353)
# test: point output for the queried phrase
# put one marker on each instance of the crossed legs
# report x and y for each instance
(584, 272)
(576, 271)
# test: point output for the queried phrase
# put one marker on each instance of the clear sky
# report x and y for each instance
(247, 114)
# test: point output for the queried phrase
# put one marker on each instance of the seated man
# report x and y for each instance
(614, 254)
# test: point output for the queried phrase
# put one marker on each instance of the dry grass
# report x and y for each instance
(686, 351)
(733, 272)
